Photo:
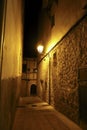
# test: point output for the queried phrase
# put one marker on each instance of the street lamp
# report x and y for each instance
(40, 48)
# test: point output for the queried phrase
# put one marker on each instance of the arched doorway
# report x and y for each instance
(33, 90)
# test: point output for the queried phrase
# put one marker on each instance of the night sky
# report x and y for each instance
(32, 10)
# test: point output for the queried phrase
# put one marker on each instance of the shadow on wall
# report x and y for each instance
(33, 90)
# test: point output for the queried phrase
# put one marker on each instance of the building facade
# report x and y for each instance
(62, 70)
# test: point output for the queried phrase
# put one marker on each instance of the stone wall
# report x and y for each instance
(71, 55)
(64, 62)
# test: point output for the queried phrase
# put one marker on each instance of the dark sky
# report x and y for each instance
(31, 13)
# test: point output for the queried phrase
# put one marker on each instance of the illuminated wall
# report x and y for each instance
(11, 61)
(58, 69)
(57, 18)
(43, 77)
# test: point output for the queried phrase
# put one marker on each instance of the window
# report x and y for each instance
(24, 68)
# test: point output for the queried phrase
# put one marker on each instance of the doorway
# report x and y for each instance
(82, 78)
(33, 90)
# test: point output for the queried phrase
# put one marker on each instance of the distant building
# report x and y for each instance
(29, 77)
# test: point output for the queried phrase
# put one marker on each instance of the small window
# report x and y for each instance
(54, 59)
(52, 21)
(24, 68)
(28, 69)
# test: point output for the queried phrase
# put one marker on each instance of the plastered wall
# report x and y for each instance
(11, 61)
(66, 14)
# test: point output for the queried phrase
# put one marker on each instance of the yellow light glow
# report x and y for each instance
(51, 44)
(40, 48)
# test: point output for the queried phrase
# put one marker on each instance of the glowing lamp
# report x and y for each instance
(40, 48)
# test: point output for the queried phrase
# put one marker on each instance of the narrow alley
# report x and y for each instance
(34, 114)
(43, 52)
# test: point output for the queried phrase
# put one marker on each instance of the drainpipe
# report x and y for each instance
(49, 79)
(3, 22)
(3, 35)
